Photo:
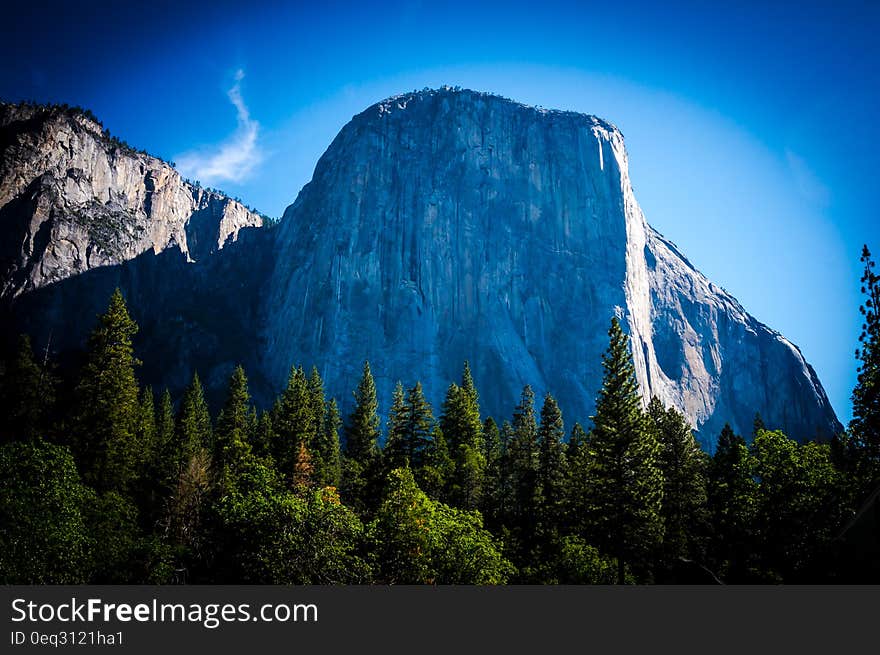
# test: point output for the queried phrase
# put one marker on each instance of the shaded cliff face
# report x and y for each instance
(81, 214)
(72, 200)
(442, 226)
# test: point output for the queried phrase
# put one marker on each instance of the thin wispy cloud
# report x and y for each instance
(234, 158)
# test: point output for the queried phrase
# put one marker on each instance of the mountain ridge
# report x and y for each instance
(415, 245)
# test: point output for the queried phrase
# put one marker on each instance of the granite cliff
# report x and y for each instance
(449, 225)
(73, 199)
(438, 226)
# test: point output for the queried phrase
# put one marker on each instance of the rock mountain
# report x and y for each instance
(439, 226)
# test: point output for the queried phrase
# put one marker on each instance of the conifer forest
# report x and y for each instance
(103, 480)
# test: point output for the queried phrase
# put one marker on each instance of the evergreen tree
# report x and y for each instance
(492, 485)
(434, 475)
(578, 496)
(231, 440)
(523, 462)
(264, 437)
(361, 465)
(194, 421)
(294, 422)
(684, 487)
(463, 429)
(165, 424)
(418, 428)
(626, 484)
(27, 395)
(551, 466)
(107, 402)
(865, 424)
(328, 447)
(732, 498)
(362, 431)
(314, 440)
(147, 435)
(757, 424)
(576, 439)
(395, 455)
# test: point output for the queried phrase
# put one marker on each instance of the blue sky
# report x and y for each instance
(751, 129)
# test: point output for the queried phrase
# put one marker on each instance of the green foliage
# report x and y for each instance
(415, 540)
(264, 534)
(522, 472)
(194, 430)
(684, 510)
(108, 410)
(362, 431)
(552, 466)
(294, 423)
(327, 448)
(463, 429)
(732, 504)
(797, 507)
(232, 449)
(865, 424)
(44, 533)
(27, 395)
(159, 498)
(361, 464)
(581, 563)
(625, 482)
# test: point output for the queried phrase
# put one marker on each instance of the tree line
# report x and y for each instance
(102, 481)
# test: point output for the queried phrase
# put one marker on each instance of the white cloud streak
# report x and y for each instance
(231, 160)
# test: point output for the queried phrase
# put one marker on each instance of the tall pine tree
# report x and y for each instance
(626, 483)
(361, 466)
(865, 424)
(684, 487)
(107, 407)
(232, 447)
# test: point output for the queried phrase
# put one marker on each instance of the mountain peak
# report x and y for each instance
(427, 96)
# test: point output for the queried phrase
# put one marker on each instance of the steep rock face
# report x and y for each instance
(449, 225)
(72, 199)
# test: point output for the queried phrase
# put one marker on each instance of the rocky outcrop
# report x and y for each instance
(449, 225)
(440, 226)
(73, 199)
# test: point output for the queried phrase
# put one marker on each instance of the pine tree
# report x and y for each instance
(328, 447)
(757, 424)
(361, 466)
(231, 439)
(684, 485)
(732, 497)
(552, 471)
(865, 424)
(264, 437)
(27, 395)
(315, 438)
(362, 431)
(147, 436)
(577, 500)
(418, 428)
(293, 422)
(493, 454)
(463, 429)
(394, 454)
(165, 423)
(436, 471)
(523, 463)
(194, 420)
(626, 483)
(106, 398)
